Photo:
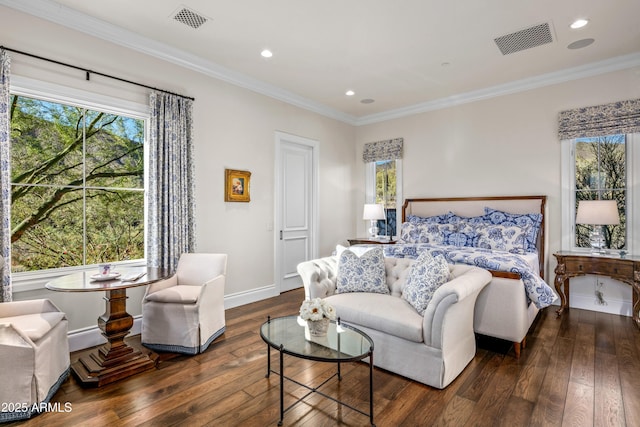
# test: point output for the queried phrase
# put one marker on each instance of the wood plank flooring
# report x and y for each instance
(580, 370)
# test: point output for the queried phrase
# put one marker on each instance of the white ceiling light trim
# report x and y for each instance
(579, 23)
(62, 15)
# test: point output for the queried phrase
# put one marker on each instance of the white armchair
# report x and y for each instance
(34, 356)
(185, 313)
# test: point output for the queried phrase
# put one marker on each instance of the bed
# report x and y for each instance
(507, 307)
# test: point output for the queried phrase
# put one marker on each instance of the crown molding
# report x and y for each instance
(569, 74)
(67, 17)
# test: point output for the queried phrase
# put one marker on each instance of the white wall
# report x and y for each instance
(233, 128)
(501, 146)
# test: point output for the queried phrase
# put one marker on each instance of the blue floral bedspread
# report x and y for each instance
(538, 291)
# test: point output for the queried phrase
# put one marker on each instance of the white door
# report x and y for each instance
(296, 207)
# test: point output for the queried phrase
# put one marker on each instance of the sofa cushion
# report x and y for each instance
(384, 313)
(362, 274)
(180, 294)
(34, 326)
(427, 274)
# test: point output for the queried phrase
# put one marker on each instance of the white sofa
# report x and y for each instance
(432, 349)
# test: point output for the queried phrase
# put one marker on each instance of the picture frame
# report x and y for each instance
(237, 185)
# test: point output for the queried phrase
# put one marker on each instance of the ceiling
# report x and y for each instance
(406, 55)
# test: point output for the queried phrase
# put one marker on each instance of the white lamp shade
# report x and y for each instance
(598, 212)
(373, 211)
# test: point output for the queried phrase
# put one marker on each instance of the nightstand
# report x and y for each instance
(572, 264)
(370, 241)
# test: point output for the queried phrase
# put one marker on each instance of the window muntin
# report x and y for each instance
(77, 185)
(600, 166)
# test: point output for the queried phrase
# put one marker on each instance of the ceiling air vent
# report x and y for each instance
(524, 39)
(189, 17)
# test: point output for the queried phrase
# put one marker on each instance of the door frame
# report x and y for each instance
(282, 139)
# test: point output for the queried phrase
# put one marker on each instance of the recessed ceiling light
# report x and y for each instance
(579, 44)
(578, 23)
(266, 53)
(349, 93)
(368, 101)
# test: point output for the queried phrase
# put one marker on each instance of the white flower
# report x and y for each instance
(316, 309)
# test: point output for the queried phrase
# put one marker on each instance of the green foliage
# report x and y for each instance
(386, 183)
(77, 186)
(601, 175)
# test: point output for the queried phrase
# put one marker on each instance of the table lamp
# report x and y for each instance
(597, 213)
(373, 212)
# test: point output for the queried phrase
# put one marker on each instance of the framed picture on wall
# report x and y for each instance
(236, 185)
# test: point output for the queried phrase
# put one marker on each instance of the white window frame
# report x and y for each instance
(568, 195)
(370, 189)
(24, 86)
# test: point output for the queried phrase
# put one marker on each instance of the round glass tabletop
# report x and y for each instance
(343, 343)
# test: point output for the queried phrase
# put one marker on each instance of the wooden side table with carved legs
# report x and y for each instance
(572, 264)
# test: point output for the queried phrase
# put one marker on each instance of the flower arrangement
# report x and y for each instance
(316, 309)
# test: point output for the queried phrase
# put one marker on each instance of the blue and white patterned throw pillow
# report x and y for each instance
(532, 220)
(427, 274)
(362, 274)
(436, 219)
(463, 234)
(431, 233)
(473, 220)
(508, 238)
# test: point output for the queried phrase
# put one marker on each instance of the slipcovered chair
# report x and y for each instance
(185, 313)
(34, 356)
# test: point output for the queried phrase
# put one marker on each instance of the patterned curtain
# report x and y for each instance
(171, 205)
(608, 119)
(5, 175)
(390, 149)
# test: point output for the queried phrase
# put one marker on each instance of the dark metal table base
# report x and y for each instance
(316, 389)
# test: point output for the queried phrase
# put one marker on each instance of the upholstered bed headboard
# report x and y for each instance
(474, 206)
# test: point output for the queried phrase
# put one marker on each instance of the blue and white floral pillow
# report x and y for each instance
(427, 274)
(434, 234)
(436, 219)
(463, 234)
(508, 238)
(362, 274)
(531, 220)
(473, 220)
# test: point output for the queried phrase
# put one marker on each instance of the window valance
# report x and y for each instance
(608, 119)
(390, 149)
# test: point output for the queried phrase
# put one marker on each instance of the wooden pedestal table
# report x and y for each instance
(115, 359)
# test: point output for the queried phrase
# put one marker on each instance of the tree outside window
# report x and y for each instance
(601, 174)
(386, 194)
(77, 186)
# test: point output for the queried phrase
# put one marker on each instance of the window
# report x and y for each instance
(77, 185)
(601, 168)
(601, 174)
(383, 187)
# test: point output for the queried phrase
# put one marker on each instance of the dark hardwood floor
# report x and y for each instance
(580, 370)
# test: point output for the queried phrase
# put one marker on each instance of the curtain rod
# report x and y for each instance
(89, 72)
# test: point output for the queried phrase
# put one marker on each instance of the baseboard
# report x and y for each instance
(613, 306)
(247, 297)
(80, 339)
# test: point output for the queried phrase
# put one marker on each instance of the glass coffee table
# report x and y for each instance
(343, 343)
